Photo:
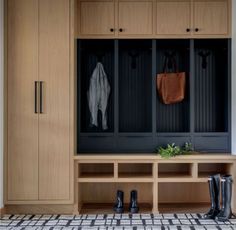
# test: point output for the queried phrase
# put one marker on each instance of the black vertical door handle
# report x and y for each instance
(35, 97)
(41, 97)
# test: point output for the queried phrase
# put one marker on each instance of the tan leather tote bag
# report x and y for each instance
(171, 86)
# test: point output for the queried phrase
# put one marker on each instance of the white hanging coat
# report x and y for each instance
(98, 94)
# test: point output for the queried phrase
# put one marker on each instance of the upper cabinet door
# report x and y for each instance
(54, 72)
(135, 18)
(211, 17)
(97, 18)
(22, 121)
(173, 18)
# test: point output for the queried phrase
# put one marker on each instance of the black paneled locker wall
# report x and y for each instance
(136, 119)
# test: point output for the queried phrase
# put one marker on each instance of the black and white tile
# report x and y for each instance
(114, 222)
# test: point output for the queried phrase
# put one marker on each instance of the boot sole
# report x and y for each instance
(134, 210)
(119, 210)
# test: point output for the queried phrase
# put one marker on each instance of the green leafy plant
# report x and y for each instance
(172, 150)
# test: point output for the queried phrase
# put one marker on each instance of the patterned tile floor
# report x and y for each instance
(114, 221)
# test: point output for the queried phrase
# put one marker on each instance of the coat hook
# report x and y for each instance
(133, 55)
(169, 55)
(204, 56)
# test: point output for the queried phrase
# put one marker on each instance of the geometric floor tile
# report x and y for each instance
(114, 222)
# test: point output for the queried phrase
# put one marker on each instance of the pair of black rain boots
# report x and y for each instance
(133, 206)
(215, 212)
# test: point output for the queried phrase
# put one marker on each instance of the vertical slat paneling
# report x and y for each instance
(210, 86)
(93, 51)
(135, 86)
(174, 117)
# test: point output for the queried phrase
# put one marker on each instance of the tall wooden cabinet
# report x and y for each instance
(22, 73)
(38, 92)
(54, 57)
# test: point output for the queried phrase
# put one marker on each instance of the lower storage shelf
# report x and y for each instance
(184, 208)
(176, 185)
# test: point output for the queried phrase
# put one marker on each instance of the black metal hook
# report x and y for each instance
(204, 55)
(169, 55)
(134, 55)
(99, 56)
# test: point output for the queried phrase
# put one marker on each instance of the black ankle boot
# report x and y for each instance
(226, 192)
(214, 189)
(119, 205)
(133, 206)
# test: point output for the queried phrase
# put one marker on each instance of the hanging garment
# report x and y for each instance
(98, 95)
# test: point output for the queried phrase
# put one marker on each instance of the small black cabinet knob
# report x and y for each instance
(112, 30)
(121, 30)
(196, 29)
(187, 30)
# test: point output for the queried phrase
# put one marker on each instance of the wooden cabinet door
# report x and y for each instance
(211, 17)
(173, 17)
(54, 61)
(97, 18)
(135, 18)
(22, 121)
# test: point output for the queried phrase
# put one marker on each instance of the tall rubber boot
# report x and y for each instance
(214, 189)
(133, 206)
(226, 192)
(119, 205)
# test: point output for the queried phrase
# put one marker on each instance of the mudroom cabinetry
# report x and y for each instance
(197, 18)
(154, 18)
(38, 114)
(112, 18)
(137, 119)
(97, 18)
(211, 17)
(173, 18)
(135, 18)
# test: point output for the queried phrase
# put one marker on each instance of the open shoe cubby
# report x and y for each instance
(100, 197)
(174, 170)
(183, 197)
(207, 169)
(126, 170)
(96, 170)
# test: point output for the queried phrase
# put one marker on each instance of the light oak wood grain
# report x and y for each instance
(97, 18)
(211, 17)
(39, 209)
(54, 64)
(136, 18)
(22, 72)
(173, 17)
(2, 212)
